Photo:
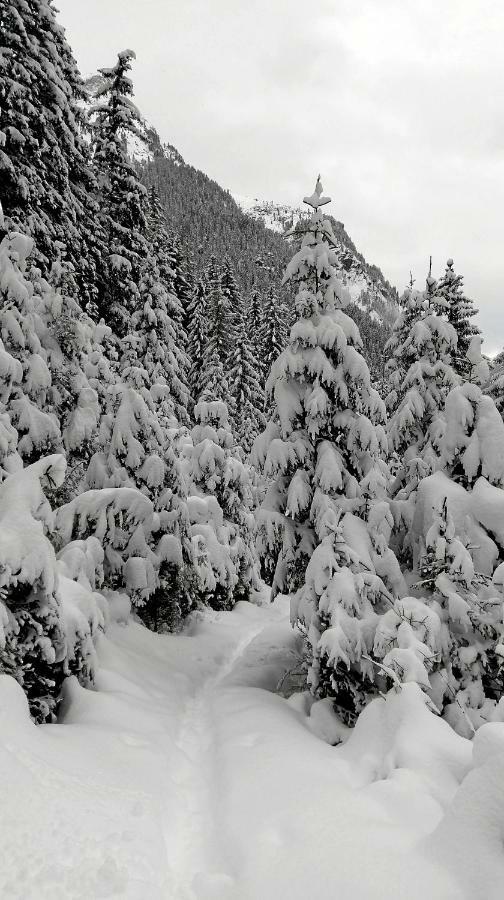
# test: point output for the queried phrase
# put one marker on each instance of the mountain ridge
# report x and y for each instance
(210, 220)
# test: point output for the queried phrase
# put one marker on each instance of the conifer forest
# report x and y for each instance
(251, 528)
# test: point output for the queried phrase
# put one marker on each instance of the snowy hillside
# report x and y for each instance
(276, 216)
(367, 287)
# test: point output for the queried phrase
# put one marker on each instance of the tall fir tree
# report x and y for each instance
(124, 199)
(323, 442)
(460, 310)
(254, 319)
(234, 305)
(421, 376)
(245, 389)
(162, 248)
(273, 331)
(196, 337)
(218, 326)
(48, 186)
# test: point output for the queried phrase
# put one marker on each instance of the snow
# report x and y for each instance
(276, 216)
(478, 514)
(185, 776)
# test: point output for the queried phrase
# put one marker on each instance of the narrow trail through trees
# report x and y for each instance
(197, 859)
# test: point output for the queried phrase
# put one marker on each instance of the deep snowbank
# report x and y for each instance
(184, 777)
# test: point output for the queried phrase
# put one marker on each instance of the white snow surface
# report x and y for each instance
(185, 776)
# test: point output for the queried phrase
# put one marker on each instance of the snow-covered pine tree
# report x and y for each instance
(494, 386)
(468, 677)
(235, 311)
(318, 449)
(459, 310)
(421, 377)
(254, 320)
(123, 197)
(221, 509)
(32, 641)
(183, 278)
(53, 404)
(137, 437)
(411, 310)
(47, 182)
(196, 337)
(473, 442)
(479, 369)
(168, 265)
(22, 325)
(245, 388)
(155, 337)
(273, 332)
(218, 315)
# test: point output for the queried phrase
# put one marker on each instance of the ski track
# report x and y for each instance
(196, 857)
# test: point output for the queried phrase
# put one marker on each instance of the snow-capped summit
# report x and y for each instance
(277, 217)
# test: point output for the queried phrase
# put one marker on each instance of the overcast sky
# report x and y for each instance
(398, 103)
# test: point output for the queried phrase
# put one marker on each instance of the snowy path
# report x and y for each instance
(196, 857)
(186, 777)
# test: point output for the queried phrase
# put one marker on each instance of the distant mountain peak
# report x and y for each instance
(368, 288)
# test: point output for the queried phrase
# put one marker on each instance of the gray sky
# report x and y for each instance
(398, 103)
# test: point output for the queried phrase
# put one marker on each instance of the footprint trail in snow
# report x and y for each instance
(195, 854)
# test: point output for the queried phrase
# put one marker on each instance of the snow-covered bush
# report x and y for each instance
(221, 524)
(469, 677)
(473, 442)
(32, 640)
(121, 519)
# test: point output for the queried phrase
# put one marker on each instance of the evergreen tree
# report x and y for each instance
(421, 377)
(218, 344)
(319, 449)
(273, 331)
(245, 388)
(183, 278)
(124, 199)
(222, 521)
(163, 251)
(154, 336)
(254, 322)
(22, 325)
(411, 310)
(137, 451)
(473, 442)
(494, 386)
(234, 306)
(47, 182)
(459, 311)
(196, 338)
(467, 681)
(33, 648)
